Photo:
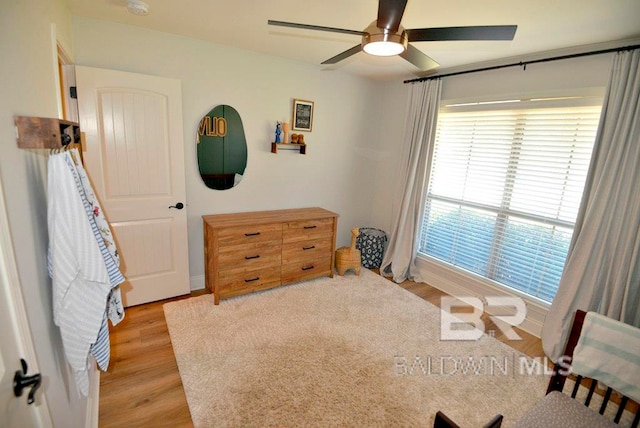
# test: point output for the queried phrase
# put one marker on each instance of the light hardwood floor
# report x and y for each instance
(142, 387)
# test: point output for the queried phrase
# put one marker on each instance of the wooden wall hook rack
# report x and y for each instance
(45, 133)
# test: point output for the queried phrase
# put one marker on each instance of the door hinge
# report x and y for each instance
(73, 92)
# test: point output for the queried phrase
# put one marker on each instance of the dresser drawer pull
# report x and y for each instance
(257, 256)
(310, 227)
(252, 234)
(308, 267)
(252, 279)
(309, 248)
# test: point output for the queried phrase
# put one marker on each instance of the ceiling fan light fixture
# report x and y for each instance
(383, 48)
(382, 42)
(386, 37)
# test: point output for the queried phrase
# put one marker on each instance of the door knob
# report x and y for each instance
(22, 381)
(178, 206)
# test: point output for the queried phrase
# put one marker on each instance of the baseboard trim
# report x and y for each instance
(458, 284)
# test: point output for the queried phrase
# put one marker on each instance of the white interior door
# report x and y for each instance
(134, 155)
(15, 342)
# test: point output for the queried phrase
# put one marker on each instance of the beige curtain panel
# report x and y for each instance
(419, 135)
(602, 271)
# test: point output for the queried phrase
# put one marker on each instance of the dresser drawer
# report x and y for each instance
(317, 248)
(251, 256)
(296, 231)
(243, 235)
(230, 280)
(305, 269)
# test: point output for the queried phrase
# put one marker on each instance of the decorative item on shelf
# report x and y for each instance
(302, 115)
(278, 131)
(297, 140)
(285, 132)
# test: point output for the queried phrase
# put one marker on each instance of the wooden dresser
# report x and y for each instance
(247, 252)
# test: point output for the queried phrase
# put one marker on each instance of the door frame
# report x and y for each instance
(64, 71)
(13, 291)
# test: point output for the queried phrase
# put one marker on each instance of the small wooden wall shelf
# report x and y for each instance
(45, 133)
(289, 146)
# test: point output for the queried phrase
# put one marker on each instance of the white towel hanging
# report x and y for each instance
(80, 278)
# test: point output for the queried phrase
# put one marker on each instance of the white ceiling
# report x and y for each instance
(543, 25)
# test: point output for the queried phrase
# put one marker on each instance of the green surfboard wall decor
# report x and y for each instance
(222, 148)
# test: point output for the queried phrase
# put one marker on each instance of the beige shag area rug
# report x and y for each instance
(346, 351)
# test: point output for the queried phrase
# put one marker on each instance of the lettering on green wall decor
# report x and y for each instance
(219, 128)
(222, 148)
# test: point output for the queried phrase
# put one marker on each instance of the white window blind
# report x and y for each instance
(505, 188)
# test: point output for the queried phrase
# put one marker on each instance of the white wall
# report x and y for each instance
(388, 169)
(563, 75)
(28, 88)
(335, 174)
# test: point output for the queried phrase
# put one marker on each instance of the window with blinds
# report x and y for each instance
(505, 188)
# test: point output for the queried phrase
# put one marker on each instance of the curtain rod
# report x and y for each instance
(525, 63)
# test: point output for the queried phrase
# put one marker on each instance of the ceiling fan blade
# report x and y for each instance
(314, 27)
(487, 32)
(390, 14)
(346, 54)
(417, 58)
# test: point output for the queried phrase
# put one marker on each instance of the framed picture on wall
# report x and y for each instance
(302, 115)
